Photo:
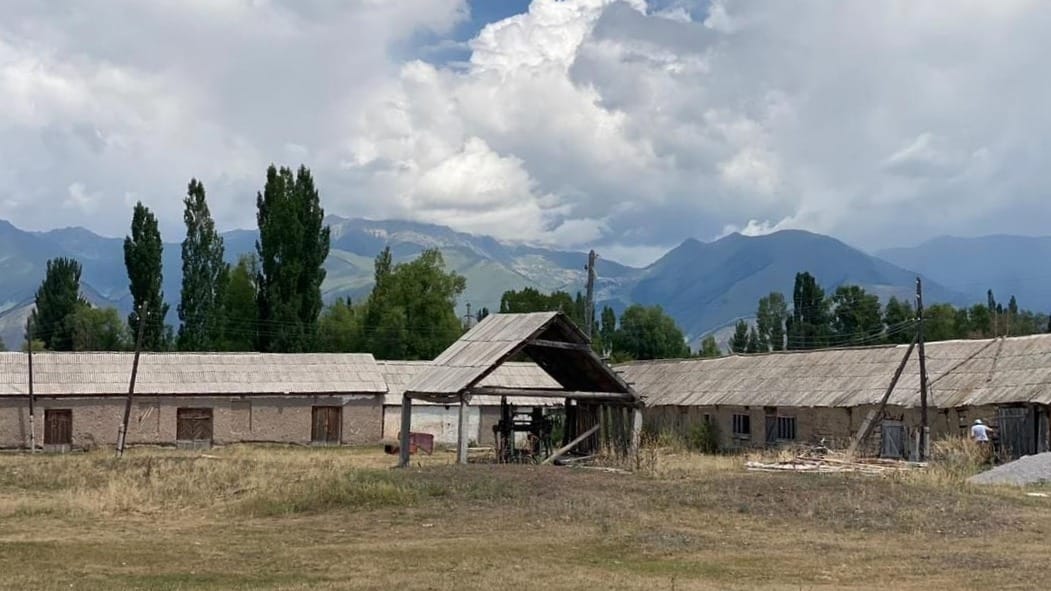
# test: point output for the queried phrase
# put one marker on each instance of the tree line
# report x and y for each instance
(850, 316)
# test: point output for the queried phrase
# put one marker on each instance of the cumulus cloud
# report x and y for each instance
(616, 123)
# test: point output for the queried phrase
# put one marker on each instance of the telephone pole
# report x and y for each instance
(924, 426)
(589, 305)
(122, 435)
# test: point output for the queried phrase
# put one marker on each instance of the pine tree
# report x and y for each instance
(57, 300)
(754, 345)
(293, 245)
(204, 275)
(739, 342)
(142, 259)
(810, 324)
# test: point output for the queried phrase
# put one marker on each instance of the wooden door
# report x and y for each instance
(193, 424)
(892, 439)
(326, 424)
(58, 427)
(771, 425)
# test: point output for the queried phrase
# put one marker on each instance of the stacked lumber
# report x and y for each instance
(825, 465)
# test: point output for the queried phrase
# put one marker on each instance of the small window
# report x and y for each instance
(786, 428)
(742, 426)
(707, 419)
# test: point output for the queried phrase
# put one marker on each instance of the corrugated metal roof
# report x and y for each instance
(961, 373)
(192, 373)
(511, 374)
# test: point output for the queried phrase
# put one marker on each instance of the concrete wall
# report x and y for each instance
(153, 419)
(436, 419)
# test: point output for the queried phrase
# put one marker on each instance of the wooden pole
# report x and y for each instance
(924, 425)
(122, 434)
(636, 436)
(406, 426)
(32, 396)
(589, 304)
(461, 437)
(870, 419)
(565, 448)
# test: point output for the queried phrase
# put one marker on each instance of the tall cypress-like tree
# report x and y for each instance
(293, 245)
(204, 275)
(57, 300)
(810, 324)
(142, 259)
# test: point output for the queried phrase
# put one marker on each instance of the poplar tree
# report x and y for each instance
(57, 300)
(293, 245)
(204, 275)
(142, 259)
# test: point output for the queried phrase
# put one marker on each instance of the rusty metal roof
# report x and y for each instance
(961, 373)
(511, 374)
(191, 373)
(467, 362)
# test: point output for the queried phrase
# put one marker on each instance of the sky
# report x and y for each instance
(624, 125)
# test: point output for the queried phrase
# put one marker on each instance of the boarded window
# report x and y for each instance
(786, 428)
(242, 416)
(193, 425)
(149, 418)
(58, 427)
(326, 424)
(742, 425)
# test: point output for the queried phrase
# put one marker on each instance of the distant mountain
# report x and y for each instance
(706, 286)
(1009, 265)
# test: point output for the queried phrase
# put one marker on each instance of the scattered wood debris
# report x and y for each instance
(824, 465)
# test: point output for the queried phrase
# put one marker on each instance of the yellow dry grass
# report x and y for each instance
(291, 518)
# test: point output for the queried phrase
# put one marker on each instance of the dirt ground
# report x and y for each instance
(287, 518)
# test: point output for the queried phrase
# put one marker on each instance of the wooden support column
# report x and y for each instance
(461, 438)
(636, 435)
(406, 426)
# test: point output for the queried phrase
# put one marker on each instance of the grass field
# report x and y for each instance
(284, 518)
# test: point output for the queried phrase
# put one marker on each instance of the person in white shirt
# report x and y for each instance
(980, 432)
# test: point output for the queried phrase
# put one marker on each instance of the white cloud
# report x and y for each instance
(618, 124)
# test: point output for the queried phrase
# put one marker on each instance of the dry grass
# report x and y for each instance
(284, 518)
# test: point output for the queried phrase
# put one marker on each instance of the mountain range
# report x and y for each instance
(704, 286)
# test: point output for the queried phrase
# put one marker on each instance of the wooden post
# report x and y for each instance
(461, 437)
(565, 448)
(870, 419)
(406, 426)
(925, 431)
(636, 435)
(32, 397)
(122, 434)
(589, 303)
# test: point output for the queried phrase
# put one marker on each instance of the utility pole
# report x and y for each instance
(32, 398)
(924, 425)
(589, 305)
(122, 435)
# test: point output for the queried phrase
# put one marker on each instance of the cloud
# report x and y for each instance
(623, 124)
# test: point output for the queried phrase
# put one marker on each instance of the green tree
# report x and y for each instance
(99, 329)
(204, 275)
(754, 344)
(481, 314)
(412, 308)
(939, 322)
(3, 346)
(895, 316)
(810, 326)
(770, 321)
(142, 259)
(339, 328)
(649, 333)
(532, 300)
(239, 310)
(857, 317)
(709, 347)
(57, 299)
(739, 342)
(607, 329)
(293, 245)
(980, 321)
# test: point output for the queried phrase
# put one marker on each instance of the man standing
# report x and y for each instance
(980, 432)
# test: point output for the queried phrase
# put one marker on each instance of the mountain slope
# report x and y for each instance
(707, 285)
(1009, 265)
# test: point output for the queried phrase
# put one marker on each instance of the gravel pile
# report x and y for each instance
(1033, 469)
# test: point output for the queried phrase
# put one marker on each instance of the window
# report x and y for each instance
(786, 428)
(58, 427)
(742, 426)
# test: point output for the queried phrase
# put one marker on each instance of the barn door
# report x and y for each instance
(892, 441)
(58, 429)
(1017, 430)
(326, 424)
(771, 425)
(1041, 430)
(193, 427)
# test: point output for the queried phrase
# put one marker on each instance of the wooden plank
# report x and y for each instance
(406, 426)
(549, 393)
(461, 436)
(566, 448)
(559, 345)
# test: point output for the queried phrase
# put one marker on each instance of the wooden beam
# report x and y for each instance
(558, 345)
(406, 426)
(636, 437)
(461, 438)
(550, 393)
(566, 448)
